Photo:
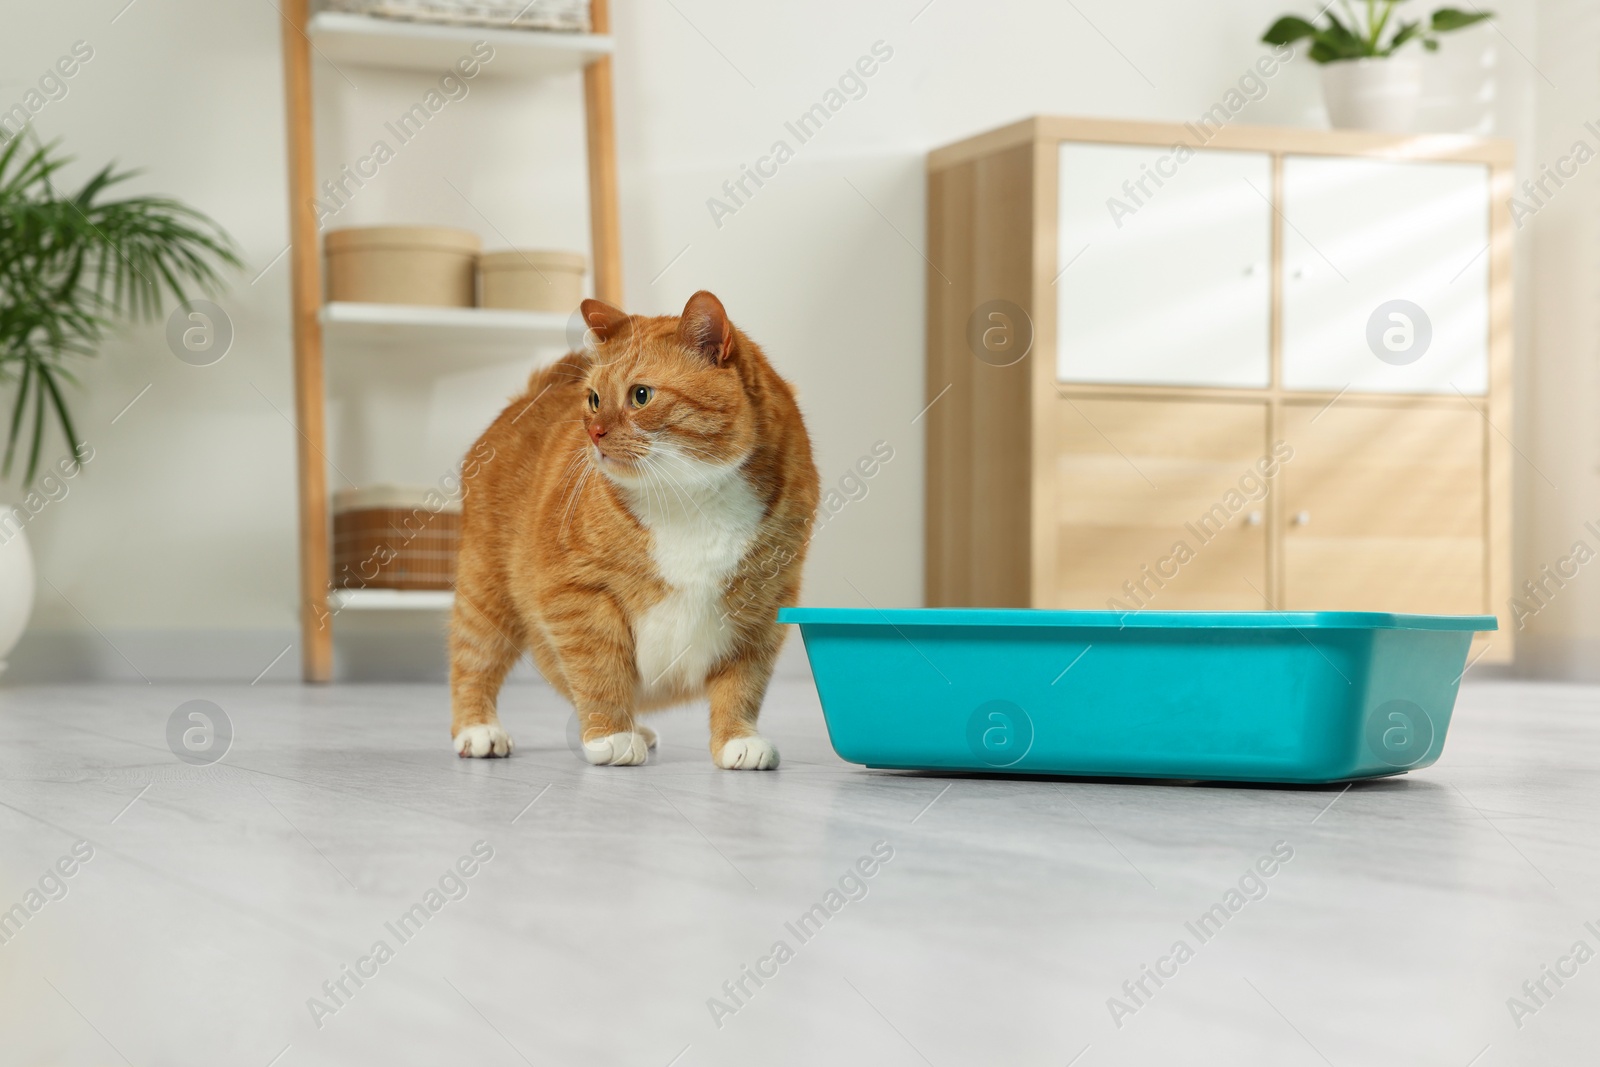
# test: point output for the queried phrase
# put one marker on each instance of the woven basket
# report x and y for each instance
(389, 538)
(570, 16)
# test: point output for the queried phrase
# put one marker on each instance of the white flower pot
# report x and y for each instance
(1372, 94)
(16, 582)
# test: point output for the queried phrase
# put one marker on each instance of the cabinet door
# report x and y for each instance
(1136, 480)
(1384, 509)
(1164, 266)
(1386, 276)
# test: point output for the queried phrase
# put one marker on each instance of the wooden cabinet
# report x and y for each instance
(1384, 509)
(1161, 497)
(1175, 367)
(1368, 237)
(1175, 291)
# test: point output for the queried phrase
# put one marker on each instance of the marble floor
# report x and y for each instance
(341, 889)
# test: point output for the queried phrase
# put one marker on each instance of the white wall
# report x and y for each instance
(177, 545)
(1558, 479)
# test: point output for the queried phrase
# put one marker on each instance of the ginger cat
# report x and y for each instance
(645, 513)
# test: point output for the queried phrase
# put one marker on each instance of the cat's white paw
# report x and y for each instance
(651, 738)
(752, 753)
(627, 749)
(483, 741)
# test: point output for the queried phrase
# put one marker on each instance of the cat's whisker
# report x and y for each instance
(677, 487)
(665, 448)
(568, 494)
(661, 489)
(578, 471)
(671, 452)
(688, 465)
(657, 474)
(653, 490)
(577, 491)
(573, 466)
(675, 445)
(693, 453)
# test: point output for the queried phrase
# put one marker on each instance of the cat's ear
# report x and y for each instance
(704, 327)
(602, 319)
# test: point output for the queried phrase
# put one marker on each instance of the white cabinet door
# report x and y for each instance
(1164, 266)
(1386, 276)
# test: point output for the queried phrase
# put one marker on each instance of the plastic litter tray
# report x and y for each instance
(1244, 696)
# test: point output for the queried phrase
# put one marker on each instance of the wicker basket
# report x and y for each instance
(429, 265)
(570, 16)
(389, 537)
(531, 280)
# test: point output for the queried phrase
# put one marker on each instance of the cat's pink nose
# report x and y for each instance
(596, 432)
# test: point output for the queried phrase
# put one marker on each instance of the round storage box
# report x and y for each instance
(529, 280)
(402, 265)
(395, 537)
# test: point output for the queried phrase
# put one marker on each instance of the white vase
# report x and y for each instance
(1372, 94)
(16, 581)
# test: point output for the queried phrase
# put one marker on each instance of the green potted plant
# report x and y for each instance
(72, 266)
(1367, 83)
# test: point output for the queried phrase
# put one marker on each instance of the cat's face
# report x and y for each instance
(663, 401)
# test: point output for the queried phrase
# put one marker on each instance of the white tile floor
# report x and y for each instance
(618, 901)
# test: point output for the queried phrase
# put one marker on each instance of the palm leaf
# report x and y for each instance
(71, 267)
(16, 416)
(47, 378)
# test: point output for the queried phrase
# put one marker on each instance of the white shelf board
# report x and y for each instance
(391, 599)
(458, 330)
(396, 44)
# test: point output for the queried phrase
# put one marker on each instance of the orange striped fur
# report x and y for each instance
(643, 513)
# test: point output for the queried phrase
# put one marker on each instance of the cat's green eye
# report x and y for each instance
(641, 394)
(594, 400)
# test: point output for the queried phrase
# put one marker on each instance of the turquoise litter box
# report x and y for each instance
(1293, 697)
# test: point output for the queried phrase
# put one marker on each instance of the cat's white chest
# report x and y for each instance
(698, 537)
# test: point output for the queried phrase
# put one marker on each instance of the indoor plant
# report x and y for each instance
(72, 265)
(1365, 84)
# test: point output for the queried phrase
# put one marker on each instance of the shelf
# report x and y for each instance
(395, 44)
(469, 335)
(390, 599)
(385, 369)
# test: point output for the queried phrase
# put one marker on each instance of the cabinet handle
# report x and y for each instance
(1302, 518)
(1253, 519)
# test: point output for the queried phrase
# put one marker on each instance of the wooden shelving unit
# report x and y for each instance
(374, 42)
(470, 329)
(472, 335)
(390, 600)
